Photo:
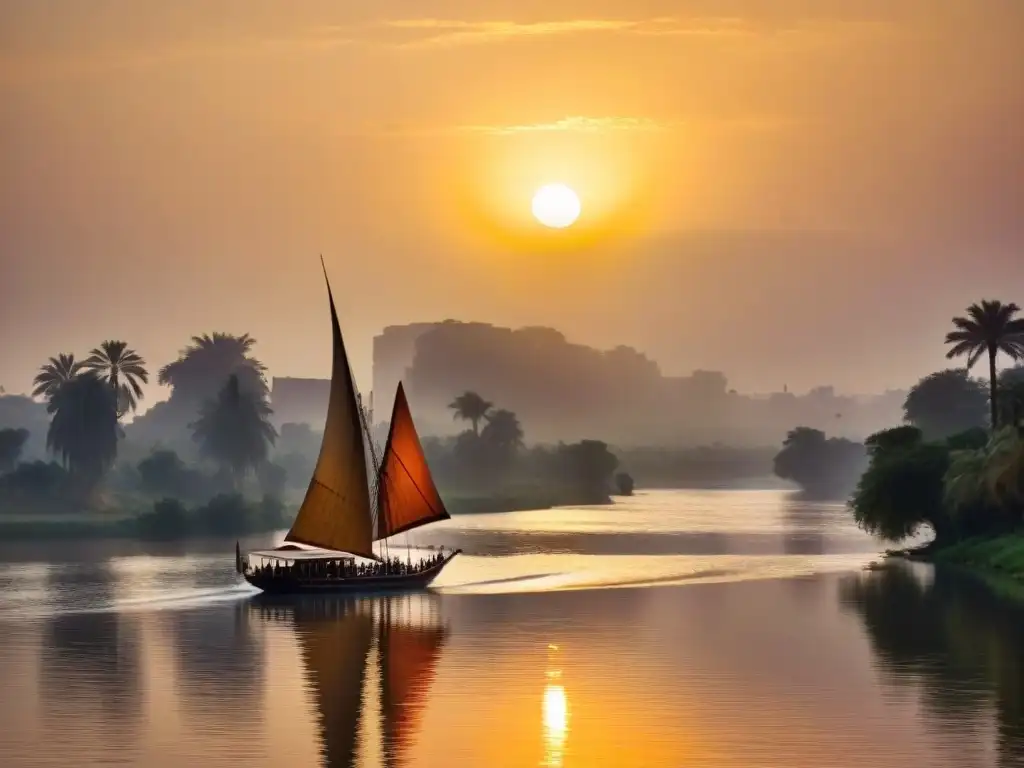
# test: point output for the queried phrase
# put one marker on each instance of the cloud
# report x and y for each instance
(580, 124)
(416, 34)
(452, 32)
(577, 123)
(583, 124)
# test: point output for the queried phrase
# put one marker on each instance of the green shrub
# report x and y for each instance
(224, 515)
(168, 520)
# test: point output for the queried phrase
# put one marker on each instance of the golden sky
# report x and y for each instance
(792, 191)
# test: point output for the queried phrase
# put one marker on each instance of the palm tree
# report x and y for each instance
(1004, 469)
(54, 375)
(234, 430)
(989, 327)
(469, 406)
(203, 367)
(123, 370)
(84, 431)
(966, 483)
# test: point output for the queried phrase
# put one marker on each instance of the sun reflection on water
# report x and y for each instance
(555, 714)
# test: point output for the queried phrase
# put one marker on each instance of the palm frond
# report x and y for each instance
(963, 348)
(966, 325)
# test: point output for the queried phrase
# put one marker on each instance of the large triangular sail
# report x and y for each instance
(406, 495)
(336, 512)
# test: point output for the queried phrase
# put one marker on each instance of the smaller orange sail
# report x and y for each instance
(406, 497)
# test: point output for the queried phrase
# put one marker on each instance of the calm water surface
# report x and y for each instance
(683, 628)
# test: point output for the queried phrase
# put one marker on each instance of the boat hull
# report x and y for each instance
(351, 585)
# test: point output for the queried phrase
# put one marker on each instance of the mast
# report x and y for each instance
(406, 495)
(337, 512)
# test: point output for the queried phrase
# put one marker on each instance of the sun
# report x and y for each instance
(556, 206)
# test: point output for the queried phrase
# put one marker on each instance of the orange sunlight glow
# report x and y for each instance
(607, 174)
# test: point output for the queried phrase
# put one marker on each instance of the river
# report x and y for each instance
(675, 628)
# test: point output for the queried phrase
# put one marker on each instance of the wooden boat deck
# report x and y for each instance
(291, 584)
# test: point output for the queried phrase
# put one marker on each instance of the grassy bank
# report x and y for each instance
(87, 527)
(1001, 555)
(469, 504)
(996, 560)
(164, 520)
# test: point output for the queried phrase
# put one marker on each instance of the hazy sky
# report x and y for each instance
(792, 191)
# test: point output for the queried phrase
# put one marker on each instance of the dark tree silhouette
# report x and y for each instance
(469, 406)
(163, 473)
(234, 430)
(12, 442)
(903, 487)
(589, 465)
(54, 375)
(273, 478)
(1011, 396)
(203, 367)
(894, 439)
(822, 466)
(945, 403)
(503, 430)
(83, 430)
(123, 369)
(990, 327)
(36, 478)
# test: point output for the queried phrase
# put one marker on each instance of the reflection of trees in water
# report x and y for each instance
(803, 524)
(91, 661)
(956, 637)
(92, 585)
(219, 661)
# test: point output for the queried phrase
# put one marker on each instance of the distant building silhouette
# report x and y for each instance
(566, 391)
(393, 351)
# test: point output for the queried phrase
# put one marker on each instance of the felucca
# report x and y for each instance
(347, 508)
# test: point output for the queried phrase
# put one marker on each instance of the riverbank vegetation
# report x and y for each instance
(824, 467)
(219, 467)
(957, 467)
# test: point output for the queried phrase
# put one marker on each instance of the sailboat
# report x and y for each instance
(354, 500)
(336, 639)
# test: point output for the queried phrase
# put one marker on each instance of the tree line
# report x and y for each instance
(88, 399)
(219, 394)
(957, 464)
(491, 453)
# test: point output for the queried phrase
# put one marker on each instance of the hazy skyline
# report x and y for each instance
(793, 192)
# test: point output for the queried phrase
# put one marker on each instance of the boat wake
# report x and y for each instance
(186, 598)
(555, 572)
(156, 601)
